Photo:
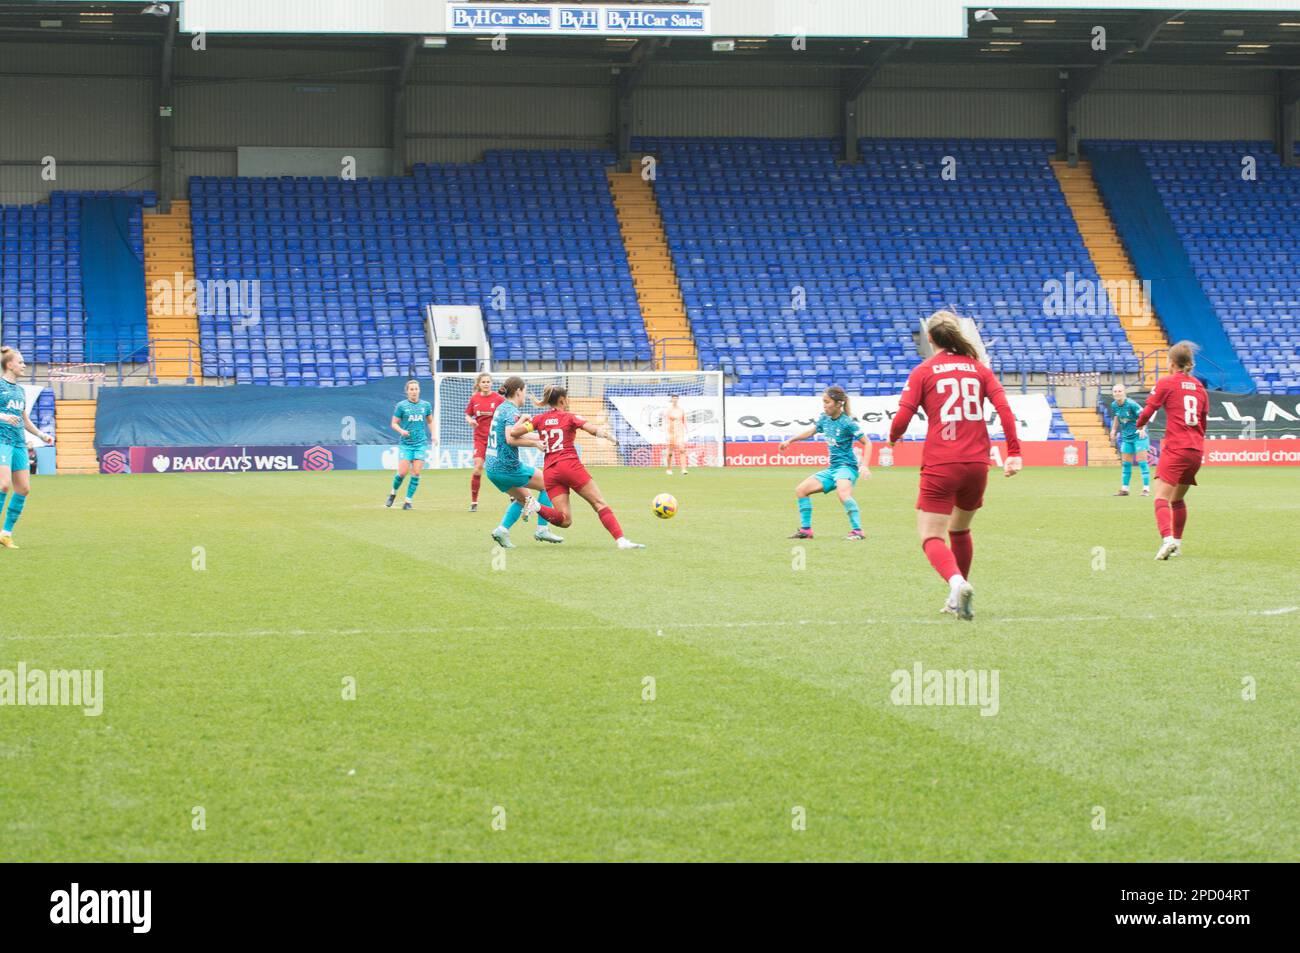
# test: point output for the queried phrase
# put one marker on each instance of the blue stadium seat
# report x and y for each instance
(40, 274)
(1242, 237)
(797, 271)
(347, 267)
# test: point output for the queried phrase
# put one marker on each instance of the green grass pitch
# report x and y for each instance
(501, 708)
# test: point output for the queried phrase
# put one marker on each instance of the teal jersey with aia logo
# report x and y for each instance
(840, 432)
(1127, 414)
(410, 417)
(13, 400)
(501, 455)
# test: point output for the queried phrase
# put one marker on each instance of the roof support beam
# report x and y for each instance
(626, 79)
(1288, 123)
(1079, 82)
(852, 85)
(163, 117)
(397, 110)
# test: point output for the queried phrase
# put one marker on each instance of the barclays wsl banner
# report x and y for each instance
(562, 19)
(226, 459)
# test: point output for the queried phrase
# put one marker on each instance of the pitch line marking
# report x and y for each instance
(594, 627)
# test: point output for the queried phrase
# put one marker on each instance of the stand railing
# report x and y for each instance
(661, 347)
(188, 360)
(1160, 361)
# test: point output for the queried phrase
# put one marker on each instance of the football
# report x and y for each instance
(665, 506)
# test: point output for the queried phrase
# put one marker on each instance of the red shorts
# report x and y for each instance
(952, 484)
(480, 447)
(1178, 467)
(565, 475)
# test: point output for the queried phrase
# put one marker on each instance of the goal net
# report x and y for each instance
(630, 404)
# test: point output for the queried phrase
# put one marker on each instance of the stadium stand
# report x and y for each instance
(799, 272)
(1242, 237)
(347, 267)
(1125, 292)
(41, 302)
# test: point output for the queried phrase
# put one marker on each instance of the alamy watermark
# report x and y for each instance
(951, 687)
(78, 905)
(76, 688)
(1096, 297)
(239, 300)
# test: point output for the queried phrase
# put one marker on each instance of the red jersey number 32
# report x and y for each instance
(552, 440)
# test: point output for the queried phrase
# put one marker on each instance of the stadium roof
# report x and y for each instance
(1018, 37)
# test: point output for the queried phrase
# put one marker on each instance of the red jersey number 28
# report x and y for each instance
(552, 440)
(968, 394)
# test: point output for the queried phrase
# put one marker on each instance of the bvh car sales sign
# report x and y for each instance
(568, 20)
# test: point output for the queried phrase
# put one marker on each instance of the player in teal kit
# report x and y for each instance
(841, 431)
(1133, 442)
(511, 475)
(15, 465)
(413, 420)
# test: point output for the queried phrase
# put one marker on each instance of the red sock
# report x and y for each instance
(1164, 520)
(474, 483)
(610, 522)
(963, 549)
(941, 557)
(549, 514)
(1179, 510)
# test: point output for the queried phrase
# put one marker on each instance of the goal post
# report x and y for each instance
(631, 404)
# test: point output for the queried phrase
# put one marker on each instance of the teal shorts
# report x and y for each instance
(14, 457)
(413, 453)
(1139, 445)
(506, 480)
(831, 475)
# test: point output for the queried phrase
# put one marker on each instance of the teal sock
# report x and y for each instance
(1146, 473)
(545, 501)
(15, 510)
(397, 482)
(1127, 475)
(412, 487)
(805, 512)
(855, 516)
(513, 512)
(2, 501)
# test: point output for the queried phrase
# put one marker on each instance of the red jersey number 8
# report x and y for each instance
(969, 396)
(1191, 410)
(552, 440)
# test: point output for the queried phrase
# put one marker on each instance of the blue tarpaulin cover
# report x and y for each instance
(249, 414)
(112, 282)
(1158, 255)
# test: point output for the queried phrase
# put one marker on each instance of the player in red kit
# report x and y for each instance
(1185, 403)
(951, 387)
(483, 403)
(563, 471)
